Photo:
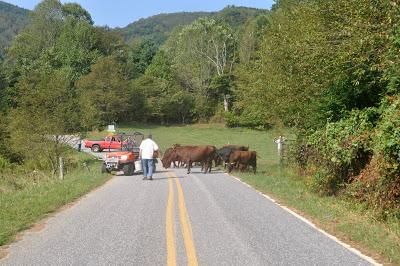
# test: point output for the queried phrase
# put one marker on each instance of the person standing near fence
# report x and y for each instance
(146, 152)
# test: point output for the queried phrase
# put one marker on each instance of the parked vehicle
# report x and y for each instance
(110, 142)
(127, 156)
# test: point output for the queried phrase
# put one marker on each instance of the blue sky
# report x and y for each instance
(122, 12)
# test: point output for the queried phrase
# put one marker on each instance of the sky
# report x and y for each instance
(119, 13)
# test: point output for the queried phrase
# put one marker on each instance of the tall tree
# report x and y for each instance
(47, 111)
(207, 42)
(104, 94)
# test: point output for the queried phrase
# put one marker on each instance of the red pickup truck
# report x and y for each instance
(110, 142)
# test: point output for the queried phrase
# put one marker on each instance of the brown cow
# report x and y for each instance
(242, 159)
(189, 154)
(167, 154)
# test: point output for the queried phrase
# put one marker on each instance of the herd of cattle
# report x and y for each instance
(232, 156)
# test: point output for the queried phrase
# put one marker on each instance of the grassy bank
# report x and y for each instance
(24, 200)
(349, 221)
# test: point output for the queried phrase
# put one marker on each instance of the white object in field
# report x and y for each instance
(280, 141)
(111, 128)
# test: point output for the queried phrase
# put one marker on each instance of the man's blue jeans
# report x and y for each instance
(147, 165)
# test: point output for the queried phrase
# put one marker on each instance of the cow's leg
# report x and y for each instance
(229, 167)
(205, 166)
(189, 164)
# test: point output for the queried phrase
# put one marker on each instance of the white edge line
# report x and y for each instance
(347, 246)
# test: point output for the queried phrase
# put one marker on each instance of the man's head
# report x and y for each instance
(149, 136)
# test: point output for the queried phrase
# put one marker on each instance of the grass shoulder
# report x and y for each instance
(27, 199)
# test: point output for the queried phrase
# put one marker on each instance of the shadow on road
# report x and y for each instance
(163, 178)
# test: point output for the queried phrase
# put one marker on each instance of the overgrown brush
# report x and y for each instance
(15, 177)
(359, 156)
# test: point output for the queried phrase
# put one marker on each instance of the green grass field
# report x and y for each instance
(26, 201)
(350, 222)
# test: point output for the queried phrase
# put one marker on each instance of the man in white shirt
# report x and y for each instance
(146, 153)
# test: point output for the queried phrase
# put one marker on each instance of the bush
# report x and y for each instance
(341, 150)
(379, 183)
(364, 150)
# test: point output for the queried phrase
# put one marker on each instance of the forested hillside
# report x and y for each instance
(328, 70)
(12, 20)
(157, 28)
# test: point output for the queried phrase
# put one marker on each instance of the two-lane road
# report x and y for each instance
(177, 219)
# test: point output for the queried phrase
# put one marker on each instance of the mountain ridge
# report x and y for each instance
(12, 20)
(155, 28)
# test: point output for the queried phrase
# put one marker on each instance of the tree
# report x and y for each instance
(104, 94)
(76, 12)
(47, 111)
(140, 55)
(76, 48)
(207, 41)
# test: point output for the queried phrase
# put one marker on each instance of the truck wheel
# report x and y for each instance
(129, 169)
(96, 148)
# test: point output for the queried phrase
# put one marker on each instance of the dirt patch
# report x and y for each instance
(37, 228)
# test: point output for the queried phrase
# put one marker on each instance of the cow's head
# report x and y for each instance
(165, 163)
(167, 158)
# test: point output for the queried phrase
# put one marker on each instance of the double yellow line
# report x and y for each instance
(184, 223)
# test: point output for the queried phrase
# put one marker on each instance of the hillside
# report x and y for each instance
(157, 28)
(12, 20)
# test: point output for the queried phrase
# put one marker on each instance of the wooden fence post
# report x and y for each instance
(61, 168)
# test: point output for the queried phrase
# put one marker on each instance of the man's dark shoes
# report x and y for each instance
(150, 178)
(144, 178)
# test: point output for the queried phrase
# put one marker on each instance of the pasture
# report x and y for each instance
(350, 222)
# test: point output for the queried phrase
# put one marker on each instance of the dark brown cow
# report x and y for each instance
(236, 147)
(222, 155)
(189, 154)
(242, 159)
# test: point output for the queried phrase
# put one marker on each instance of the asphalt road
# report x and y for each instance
(177, 219)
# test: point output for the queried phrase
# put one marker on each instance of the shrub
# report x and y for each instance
(341, 149)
